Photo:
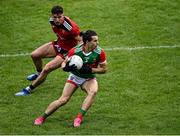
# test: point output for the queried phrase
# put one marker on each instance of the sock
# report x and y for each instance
(45, 115)
(81, 113)
(29, 88)
(38, 72)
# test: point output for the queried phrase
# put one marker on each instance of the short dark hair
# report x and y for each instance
(87, 35)
(57, 10)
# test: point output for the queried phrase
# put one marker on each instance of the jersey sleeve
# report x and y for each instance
(71, 52)
(102, 58)
(75, 31)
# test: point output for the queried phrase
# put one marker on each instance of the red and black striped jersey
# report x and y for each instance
(66, 33)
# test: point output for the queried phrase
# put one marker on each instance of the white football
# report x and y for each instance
(76, 60)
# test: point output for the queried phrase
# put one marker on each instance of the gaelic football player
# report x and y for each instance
(94, 62)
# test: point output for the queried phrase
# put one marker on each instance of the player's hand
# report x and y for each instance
(85, 69)
(68, 68)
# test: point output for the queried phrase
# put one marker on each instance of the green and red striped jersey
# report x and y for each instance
(92, 59)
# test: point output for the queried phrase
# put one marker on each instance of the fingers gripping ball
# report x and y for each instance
(77, 61)
(68, 68)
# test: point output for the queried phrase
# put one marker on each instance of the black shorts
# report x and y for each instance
(59, 51)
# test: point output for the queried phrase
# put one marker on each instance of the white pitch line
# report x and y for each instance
(14, 55)
(140, 48)
(106, 49)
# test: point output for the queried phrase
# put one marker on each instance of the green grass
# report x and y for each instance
(139, 94)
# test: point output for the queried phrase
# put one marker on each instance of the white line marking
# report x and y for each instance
(141, 48)
(14, 55)
(106, 49)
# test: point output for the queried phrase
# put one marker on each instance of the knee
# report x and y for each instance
(34, 55)
(92, 92)
(47, 68)
(63, 100)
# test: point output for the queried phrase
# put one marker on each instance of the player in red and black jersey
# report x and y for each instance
(68, 36)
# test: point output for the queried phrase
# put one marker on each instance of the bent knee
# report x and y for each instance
(35, 55)
(48, 68)
(92, 92)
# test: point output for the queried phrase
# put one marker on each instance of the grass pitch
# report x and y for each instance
(139, 94)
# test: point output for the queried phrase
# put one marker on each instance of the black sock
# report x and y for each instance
(31, 87)
(38, 70)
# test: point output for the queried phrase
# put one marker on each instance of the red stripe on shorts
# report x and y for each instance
(71, 82)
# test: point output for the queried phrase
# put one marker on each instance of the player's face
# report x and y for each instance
(93, 43)
(58, 19)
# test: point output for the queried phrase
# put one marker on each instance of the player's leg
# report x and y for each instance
(66, 95)
(52, 65)
(49, 67)
(44, 51)
(91, 88)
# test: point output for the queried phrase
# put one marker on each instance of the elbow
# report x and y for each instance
(105, 70)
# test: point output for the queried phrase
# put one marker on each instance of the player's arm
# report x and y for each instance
(70, 53)
(77, 34)
(102, 68)
(65, 64)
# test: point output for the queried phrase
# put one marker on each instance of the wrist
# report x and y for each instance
(63, 64)
(93, 70)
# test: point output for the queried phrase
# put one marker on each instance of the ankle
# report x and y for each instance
(79, 116)
(45, 115)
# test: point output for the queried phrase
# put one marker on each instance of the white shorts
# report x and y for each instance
(77, 81)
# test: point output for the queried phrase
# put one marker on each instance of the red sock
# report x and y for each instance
(80, 116)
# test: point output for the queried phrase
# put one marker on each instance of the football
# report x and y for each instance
(77, 61)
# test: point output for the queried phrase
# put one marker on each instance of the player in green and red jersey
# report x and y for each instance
(68, 36)
(94, 61)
